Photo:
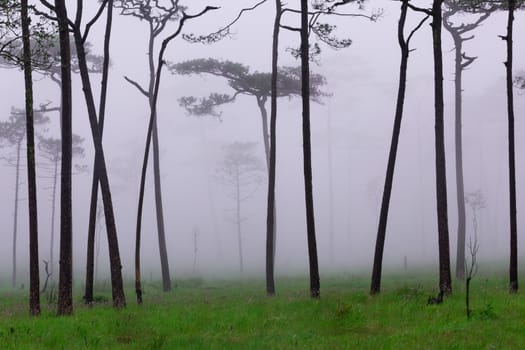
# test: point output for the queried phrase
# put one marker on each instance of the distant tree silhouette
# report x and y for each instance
(285, 83)
(12, 134)
(242, 172)
(459, 32)
(51, 150)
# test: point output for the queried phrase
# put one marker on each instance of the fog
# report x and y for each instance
(351, 131)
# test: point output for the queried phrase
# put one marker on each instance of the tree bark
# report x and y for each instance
(460, 191)
(53, 206)
(163, 252)
(34, 279)
(118, 296)
(88, 295)
(385, 204)
(65, 283)
(270, 212)
(445, 284)
(307, 154)
(513, 264)
(261, 101)
(15, 214)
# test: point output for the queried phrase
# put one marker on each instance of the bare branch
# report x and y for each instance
(416, 29)
(419, 9)
(222, 32)
(137, 85)
(93, 20)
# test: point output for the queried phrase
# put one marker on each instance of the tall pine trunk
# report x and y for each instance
(270, 212)
(513, 263)
(161, 233)
(15, 213)
(445, 284)
(65, 283)
(458, 132)
(34, 279)
(307, 153)
(387, 191)
(88, 295)
(53, 210)
(163, 250)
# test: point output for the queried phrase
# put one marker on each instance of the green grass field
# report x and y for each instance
(236, 314)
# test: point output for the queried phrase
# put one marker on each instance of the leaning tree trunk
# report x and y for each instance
(513, 265)
(385, 204)
(307, 154)
(15, 213)
(270, 212)
(65, 283)
(88, 295)
(445, 284)
(34, 279)
(117, 287)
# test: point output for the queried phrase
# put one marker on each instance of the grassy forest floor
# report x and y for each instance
(236, 314)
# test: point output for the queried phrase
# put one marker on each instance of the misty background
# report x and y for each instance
(351, 132)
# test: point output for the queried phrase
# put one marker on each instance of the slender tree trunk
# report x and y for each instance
(513, 266)
(88, 295)
(387, 191)
(153, 103)
(53, 206)
(163, 251)
(118, 296)
(261, 102)
(15, 214)
(65, 284)
(445, 284)
(238, 217)
(307, 153)
(460, 191)
(34, 279)
(270, 212)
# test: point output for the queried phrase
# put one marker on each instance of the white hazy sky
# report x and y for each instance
(363, 80)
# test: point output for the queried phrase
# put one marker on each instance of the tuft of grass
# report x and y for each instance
(236, 314)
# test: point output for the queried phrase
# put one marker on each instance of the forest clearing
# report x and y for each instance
(235, 314)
